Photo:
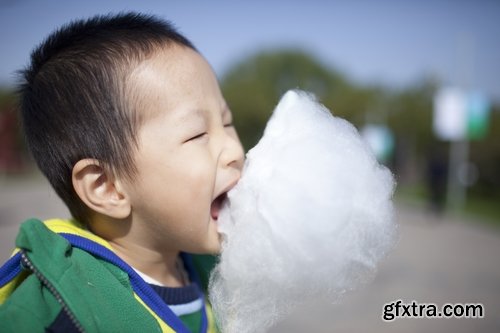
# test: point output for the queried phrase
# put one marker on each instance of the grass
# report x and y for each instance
(484, 210)
(487, 209)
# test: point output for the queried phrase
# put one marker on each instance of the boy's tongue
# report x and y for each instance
(216, 206)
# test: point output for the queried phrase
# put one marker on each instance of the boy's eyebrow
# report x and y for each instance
(199, 113)
(189, 114)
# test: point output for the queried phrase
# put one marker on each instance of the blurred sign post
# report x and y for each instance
(380, 139)
(478, 112)
(458, 118)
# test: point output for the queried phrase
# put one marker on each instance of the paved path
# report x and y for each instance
(23, 200)
(440, 261)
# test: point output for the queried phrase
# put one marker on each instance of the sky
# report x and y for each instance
(389, 42)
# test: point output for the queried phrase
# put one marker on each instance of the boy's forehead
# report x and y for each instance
(176, 61)
(174, 76)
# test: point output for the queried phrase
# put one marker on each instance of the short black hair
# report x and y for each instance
(73, 97)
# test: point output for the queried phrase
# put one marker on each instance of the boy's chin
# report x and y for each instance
(213, 249)
(213, 246)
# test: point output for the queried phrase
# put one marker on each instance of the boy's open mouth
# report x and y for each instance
(217, 205)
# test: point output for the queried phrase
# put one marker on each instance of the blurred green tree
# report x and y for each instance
(253, 86)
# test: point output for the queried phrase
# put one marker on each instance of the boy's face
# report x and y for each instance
(188, 153)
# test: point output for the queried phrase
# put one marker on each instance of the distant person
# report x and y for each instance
(126, 120)
(437, 175)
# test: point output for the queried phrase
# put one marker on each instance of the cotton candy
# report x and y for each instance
(310, 218)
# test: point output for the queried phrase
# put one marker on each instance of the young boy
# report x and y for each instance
(126, 120)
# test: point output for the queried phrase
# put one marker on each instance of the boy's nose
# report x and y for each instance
(232, 154)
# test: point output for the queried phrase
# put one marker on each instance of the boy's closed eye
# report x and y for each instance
(201, 135)
(197, 136)
(228, 123)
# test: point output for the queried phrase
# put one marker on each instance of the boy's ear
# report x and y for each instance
(100, 191)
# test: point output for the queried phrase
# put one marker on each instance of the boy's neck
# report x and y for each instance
(131, 246)
(165, 268)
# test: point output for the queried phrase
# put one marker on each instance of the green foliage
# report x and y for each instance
(410, 115)
(253, 87)
(7, 99)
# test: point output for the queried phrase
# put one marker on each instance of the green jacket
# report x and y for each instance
(59, 265)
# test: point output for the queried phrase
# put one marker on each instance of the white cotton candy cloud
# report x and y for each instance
(311, 217)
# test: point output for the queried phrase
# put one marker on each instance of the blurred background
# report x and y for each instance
(420, 81)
